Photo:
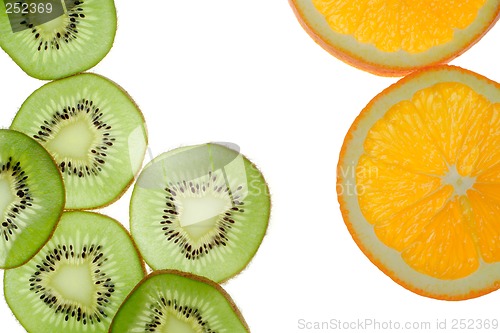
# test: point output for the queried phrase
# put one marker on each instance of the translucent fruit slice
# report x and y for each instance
(78, 280)
(177, 302)
(52, 39)
(388, 37)
(201, 209)
(31, 197)
(418, 178)
(94, 131)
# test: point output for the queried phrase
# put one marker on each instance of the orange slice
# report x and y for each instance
(418, 182)
(394, 37)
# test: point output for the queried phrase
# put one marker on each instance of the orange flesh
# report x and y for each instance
(429, 181)
(393, 25)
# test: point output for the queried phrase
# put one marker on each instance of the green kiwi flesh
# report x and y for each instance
(70, 43)
(31, 197)
(95, 133)
(176, 302)
(78, 280)
(200, 209)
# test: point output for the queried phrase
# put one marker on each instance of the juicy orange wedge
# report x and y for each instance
(418, 182)
(394, 37)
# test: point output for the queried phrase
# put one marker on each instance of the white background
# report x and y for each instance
(246, 72)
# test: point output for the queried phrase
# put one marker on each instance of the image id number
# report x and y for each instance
(474, 324)
(28, 8)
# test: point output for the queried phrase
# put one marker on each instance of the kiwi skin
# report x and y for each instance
(194, 277)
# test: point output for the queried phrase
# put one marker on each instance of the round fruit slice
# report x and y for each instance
(177, 302)
(31, 197)
(93, 130)
(52, 39)
(395, 37)
(419, 183)
(200, 209)
(78, 280)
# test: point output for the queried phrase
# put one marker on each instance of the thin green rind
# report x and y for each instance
(27, 306)
(129, 119)
(70, 61)
(47, 188)
(193, 287)
(149, 187)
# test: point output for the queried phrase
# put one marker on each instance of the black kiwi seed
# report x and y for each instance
(97, 153)
(164, 305)
(75, 14)
(223, 225)
(104, 285)
(15, 170)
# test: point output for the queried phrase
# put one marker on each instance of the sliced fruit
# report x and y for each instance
(178, 302)
(396, 37)
(200, 209)
(93, 130)
(52, 39)
(31, 197)
(78, 280)
(418, 179)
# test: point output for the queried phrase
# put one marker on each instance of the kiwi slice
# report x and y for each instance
(78, 280)
(31, 197)
(201, 209)
(52, 39)
(175, 302)
(93, 130)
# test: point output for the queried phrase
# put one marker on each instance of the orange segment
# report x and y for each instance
(393, 25)
(492, 190)
(491, 175)
(376, 179)
(394, 37)
(477, 140)
(487, 225)
(402, 229)
(402, 139)
(489, 156)
(449, 129)
(426, 205)
(445, 248)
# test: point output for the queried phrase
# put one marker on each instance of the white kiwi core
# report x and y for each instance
(173, 324)
(74, 283)
(48, 29)
(199, 215)
(73, 140)
(6, 195)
